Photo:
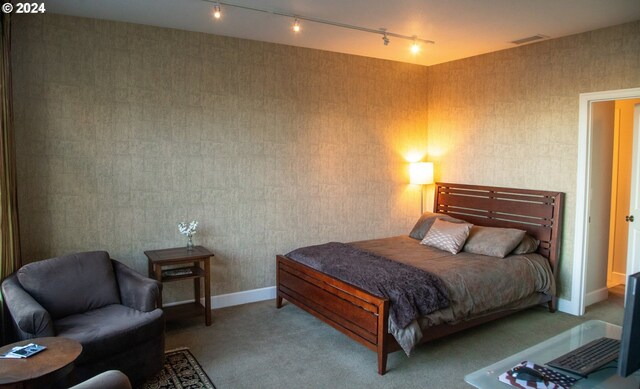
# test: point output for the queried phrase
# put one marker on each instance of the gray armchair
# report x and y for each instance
(107, 307)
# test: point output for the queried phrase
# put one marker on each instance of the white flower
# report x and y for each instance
(188, 230)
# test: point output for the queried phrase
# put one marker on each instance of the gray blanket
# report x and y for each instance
(412, 292)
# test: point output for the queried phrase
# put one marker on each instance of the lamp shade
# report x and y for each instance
(421, 173)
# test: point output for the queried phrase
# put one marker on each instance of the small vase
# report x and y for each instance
(190, 243)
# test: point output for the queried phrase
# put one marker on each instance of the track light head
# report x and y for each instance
(217, 11)
(296, 25)
(385, 39)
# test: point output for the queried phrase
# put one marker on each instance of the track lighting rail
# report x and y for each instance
(386, 34)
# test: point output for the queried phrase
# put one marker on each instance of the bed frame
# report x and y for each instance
(364, 317)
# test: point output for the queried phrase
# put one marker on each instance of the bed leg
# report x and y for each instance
(382, 362)
(553, 304)
(382, 336)
(278, 302)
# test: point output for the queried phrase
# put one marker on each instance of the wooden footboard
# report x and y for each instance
(354, 312)
(348, 309)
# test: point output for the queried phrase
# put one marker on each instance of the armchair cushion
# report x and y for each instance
(110, 330)
(72, 283)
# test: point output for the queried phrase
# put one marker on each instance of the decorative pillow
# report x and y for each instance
(447, 236)
(528, 245)
(491, 241)
(426, 221)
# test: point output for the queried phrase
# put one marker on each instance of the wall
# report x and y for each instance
(510, 118)
(124, 130)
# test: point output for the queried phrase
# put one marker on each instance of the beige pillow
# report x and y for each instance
(447, 236)
(528, 245)
(492, 241)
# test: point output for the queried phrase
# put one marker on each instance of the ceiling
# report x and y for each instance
(460, 28)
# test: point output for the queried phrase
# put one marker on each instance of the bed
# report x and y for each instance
(364, 316)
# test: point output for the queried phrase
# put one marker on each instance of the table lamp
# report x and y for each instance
(421, 173)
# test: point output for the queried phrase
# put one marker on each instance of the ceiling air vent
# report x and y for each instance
(529, 39)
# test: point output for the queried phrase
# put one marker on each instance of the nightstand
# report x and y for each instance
(185, 265)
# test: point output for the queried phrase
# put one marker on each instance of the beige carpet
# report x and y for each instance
(258, 346)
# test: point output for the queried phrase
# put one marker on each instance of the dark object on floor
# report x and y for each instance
(181, 371)
(112, 379)
(107, 307)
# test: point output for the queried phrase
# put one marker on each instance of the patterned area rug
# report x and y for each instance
(181, 371)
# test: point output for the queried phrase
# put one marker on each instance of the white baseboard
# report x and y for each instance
(237, 298)
(268, 293)
(244, 297)
(596, 296)
(617, 279)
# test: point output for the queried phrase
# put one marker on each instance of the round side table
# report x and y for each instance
(41, 369)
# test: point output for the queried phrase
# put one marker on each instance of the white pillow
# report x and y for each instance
(447, 236)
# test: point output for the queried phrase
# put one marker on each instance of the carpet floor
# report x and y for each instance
(259, 346)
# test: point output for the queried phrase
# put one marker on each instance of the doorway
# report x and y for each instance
(584, 196)
(610, 188)
(620, 191)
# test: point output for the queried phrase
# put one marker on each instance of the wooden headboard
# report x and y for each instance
(535, 211)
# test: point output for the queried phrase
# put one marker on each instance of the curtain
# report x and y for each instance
(10, 259)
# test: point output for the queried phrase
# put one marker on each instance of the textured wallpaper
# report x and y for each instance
(123, 130)
(510, 118)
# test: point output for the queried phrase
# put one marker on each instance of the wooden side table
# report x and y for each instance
(188, 267)
(42, 369)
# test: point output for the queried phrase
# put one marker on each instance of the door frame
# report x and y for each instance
(633, 263)
(615, 183)
(578, 279)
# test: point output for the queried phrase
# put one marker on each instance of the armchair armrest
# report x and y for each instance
(136, 291)
(30, 318)
(112, 379)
